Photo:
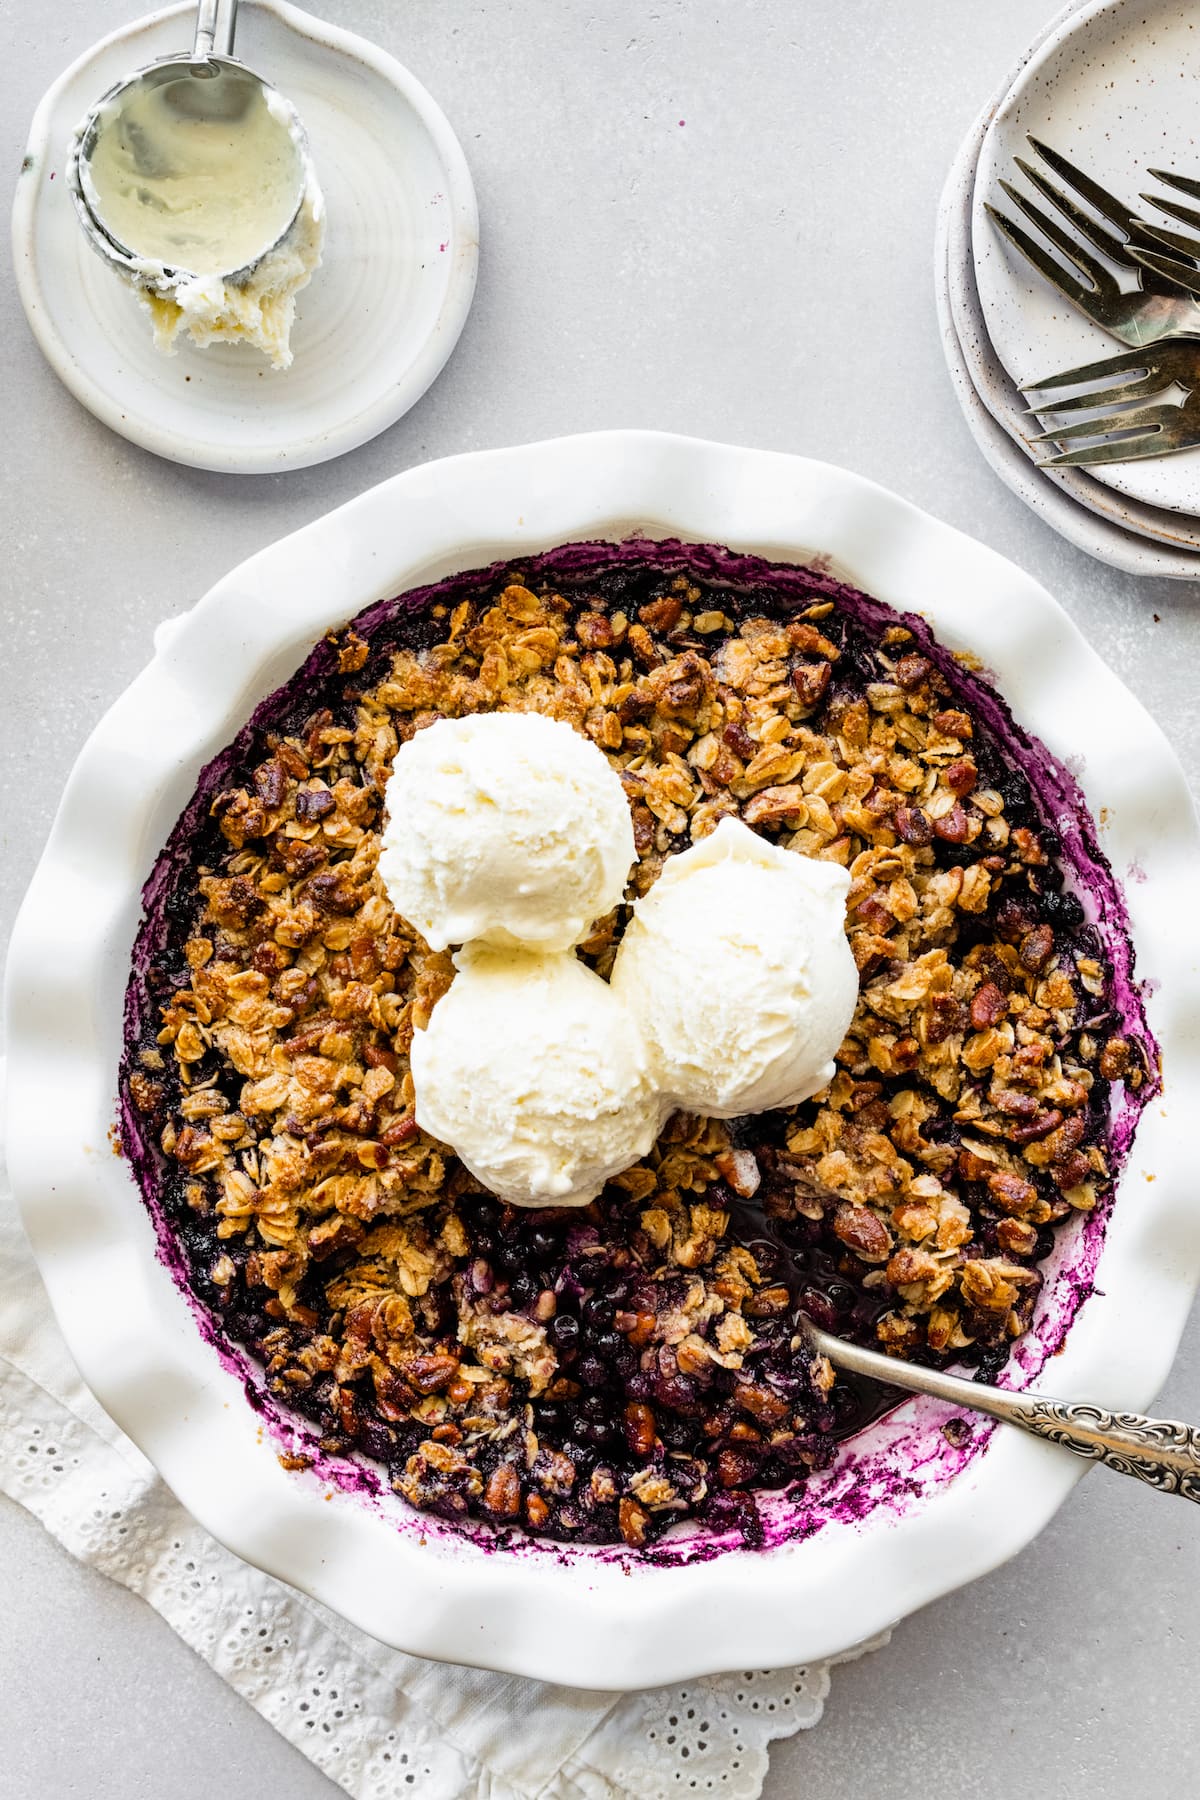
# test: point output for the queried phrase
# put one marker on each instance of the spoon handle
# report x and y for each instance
(214, 29)
(1158, 1451)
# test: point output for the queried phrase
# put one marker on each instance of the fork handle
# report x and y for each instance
(1161, 1452)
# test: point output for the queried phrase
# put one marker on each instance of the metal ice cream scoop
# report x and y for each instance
(193, 166)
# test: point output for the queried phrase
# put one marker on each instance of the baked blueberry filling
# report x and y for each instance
(595, 1375)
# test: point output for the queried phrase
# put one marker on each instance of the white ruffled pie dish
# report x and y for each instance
(597, 1619)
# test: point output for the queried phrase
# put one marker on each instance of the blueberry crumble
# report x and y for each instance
(597, 1374)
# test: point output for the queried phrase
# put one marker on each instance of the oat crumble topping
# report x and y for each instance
(596, 1374)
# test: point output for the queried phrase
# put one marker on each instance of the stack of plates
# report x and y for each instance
(1116, 87)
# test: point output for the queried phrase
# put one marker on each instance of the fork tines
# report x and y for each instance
(1101, 283)
(1128, 432)
(1096, 279)
(1085, 237)
(1184, 274)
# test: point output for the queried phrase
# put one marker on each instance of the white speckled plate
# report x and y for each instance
(373, 328)
(1140, 539)
(573, 1615)
(1116, 87)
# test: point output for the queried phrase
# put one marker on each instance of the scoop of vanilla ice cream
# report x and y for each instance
(536, 1075)
(509, 828)
(737, 967)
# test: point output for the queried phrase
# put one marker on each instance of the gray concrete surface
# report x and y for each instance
(715, 278)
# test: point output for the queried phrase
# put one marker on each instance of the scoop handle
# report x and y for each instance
(215, 29)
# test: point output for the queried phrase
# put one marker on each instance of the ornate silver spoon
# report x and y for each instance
(1158, 1451)
(1162, 1452)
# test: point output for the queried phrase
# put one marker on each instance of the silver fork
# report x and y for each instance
(1158, 308)
(1155, 430)
(1170, 268)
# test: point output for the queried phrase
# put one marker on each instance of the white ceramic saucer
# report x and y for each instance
(1114, 86)
(381, 315)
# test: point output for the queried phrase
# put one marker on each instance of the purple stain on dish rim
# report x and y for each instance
(899, 1459)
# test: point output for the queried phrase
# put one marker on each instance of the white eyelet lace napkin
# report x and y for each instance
(376, 1722)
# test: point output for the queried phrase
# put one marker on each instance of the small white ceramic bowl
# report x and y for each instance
(376, 323)
(593, 1619)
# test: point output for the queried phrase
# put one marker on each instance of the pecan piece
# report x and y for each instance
(952, 723)
(633, 1520)
(1011, 1192)
(1040, 1126)
(431, 1371)
(805, 637)
(810, 681)
(644, 827)
(1017, 1236)
(643, 647)
(875, 914)
(988, 1006)
(912, 670)
(1037, 947)
(740, 1169)
(270, 783)
(909, 1265)
(736, 1467)
(400, 1131)
(594, 631)
(661, 615)
(351, 652)
(768, 1303)
(1072, 1170)
(739, 740)
(336, 1233)
(1029, 845)
(503, 1492)
(862, 1231)
(637, 1327)
(640, 1434)
(314, 803)
(914, 826)
(1016, 1105)
(952, 826)
(331, 891)
(761, 1403)
(297, 856)
(777, 806)
(241, 816)
(234, 902)
(146, 1092)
